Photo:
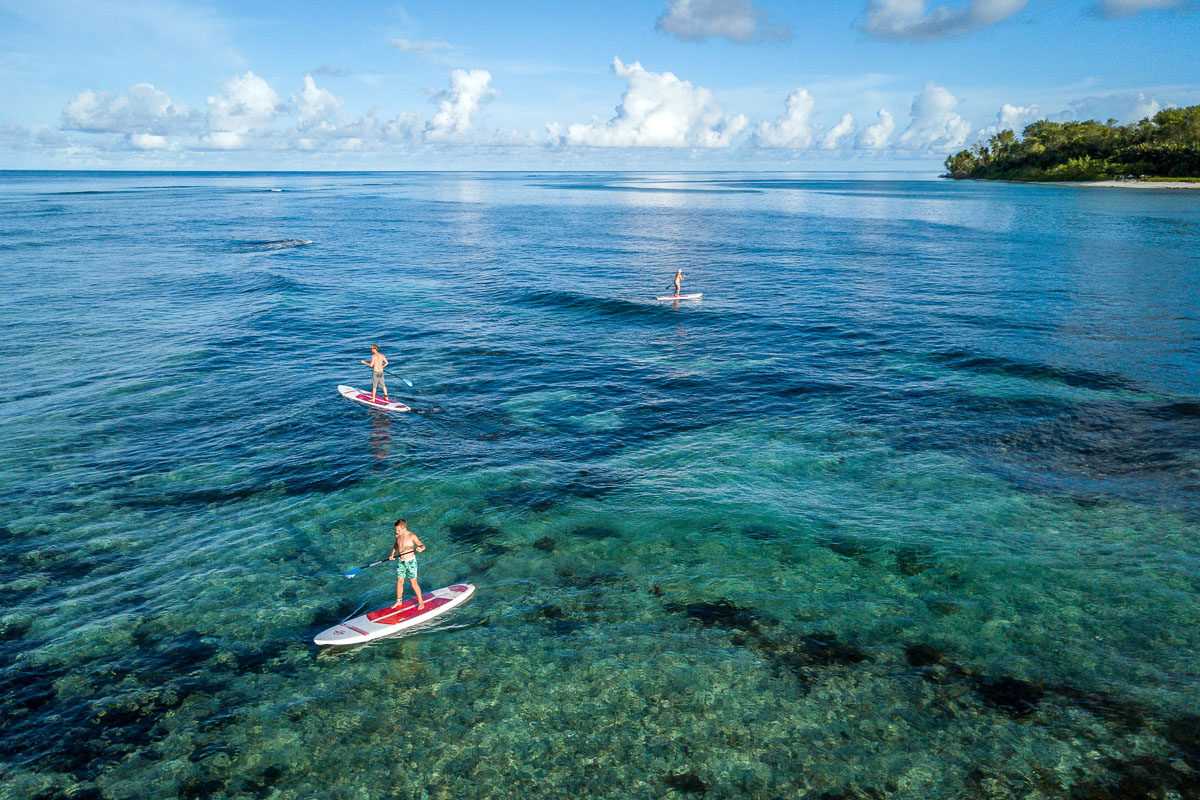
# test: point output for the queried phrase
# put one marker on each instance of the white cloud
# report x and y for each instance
(934, 124)
(876, 136)
(243, 118)
(315, 105)
(909, 19)
(1125, 8)
(249, 106)
(148, 141)
(659, 110)
(792, 130)
(362, 134)
(224, 140)
(143, 110)
(1015, 118)
(737, 20)
(459, 105)
(1127, 107)
(832, 140)
(1011, 118)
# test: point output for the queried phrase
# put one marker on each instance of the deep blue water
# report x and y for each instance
(906, 506)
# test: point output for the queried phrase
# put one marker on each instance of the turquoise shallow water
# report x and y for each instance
(905, 507)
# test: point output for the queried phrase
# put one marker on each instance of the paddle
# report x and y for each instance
(354, 572)
(394, 375)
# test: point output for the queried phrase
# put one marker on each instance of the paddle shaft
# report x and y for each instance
(406, 552)
(389, 372)
(401, 377)
(354, 572)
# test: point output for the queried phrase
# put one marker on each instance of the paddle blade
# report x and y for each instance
(406, 380)
(352, 572)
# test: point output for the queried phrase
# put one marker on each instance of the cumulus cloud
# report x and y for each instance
(244, 117)
(148, 141)
(877, 135)
(1011, 118)
(365, 133)
(934, 124)
(659, 110)
(459, 105)
(792, 130)
(249, 106)
(144, 110)
(909, 19)
(833, 138)
(315, 105)
(1127, 107)
(737, 20)
(1125, 8)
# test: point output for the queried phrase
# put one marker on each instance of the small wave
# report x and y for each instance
(269, 246)
(1014, 368)
(131, 190)
(274, 282)
(571, 301)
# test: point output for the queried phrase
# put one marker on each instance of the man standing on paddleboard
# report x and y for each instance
(377, 363)
(407, 544)
(679, 276)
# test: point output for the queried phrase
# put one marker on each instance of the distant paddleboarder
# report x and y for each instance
(679, 276)
(407, 544)
(379, 361)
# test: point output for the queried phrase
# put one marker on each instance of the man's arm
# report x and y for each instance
(420, 546)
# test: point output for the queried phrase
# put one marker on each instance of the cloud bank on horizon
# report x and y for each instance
(831, 117)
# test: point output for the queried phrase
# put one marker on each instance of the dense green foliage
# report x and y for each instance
(1165, 146)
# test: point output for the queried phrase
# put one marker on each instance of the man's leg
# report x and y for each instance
(420, 597)
(399, 592)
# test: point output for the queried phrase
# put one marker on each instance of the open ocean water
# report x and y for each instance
(908, 506)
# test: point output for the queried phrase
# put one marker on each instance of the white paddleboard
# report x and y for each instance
(350, 393)
(387, 620)
(695, 296)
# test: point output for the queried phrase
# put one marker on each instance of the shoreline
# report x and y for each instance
(1131, 184)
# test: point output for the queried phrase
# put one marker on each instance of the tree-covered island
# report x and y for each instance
(1166, 145)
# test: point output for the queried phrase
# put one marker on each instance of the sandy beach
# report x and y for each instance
(1138, 184)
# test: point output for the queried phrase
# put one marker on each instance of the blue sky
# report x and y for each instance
(691, 84)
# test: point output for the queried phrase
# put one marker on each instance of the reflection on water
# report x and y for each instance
(381, 435)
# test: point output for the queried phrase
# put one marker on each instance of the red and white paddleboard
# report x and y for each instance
(387, 621)
(695, 296)
(350, 393)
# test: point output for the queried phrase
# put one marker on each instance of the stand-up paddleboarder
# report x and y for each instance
(379, 361)
(679, 276)
(407, 544)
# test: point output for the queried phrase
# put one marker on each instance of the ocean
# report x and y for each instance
(905, 506)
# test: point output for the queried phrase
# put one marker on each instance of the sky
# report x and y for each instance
(857, 85)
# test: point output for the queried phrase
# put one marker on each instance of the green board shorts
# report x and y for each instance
(406, 569)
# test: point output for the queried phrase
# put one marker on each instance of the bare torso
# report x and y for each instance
(406, 544)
